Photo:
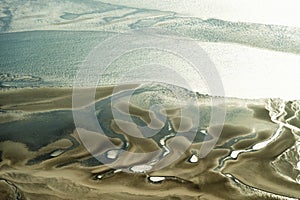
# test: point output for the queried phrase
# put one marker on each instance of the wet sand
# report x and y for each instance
(48, 160)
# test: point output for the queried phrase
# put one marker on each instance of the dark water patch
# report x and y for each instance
(69, 16)
(260, 112)
(231, 142)
(150, 22)
(39, 130)
(111, 19)
(91, 162)
(55, 153)
(67, 163)
(39, 159)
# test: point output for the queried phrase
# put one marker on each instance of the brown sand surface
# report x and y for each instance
(64, 169)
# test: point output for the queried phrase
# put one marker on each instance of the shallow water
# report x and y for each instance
(53, 58)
